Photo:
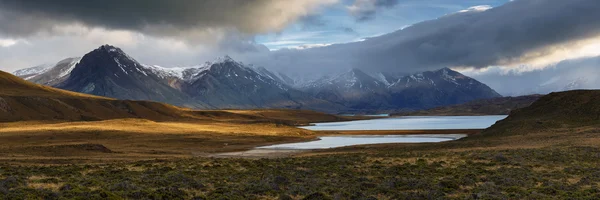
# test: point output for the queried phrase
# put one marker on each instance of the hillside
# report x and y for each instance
(21, 100)
(572, 112)
(495, 106)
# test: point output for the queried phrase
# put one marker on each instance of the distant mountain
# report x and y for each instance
(55, 74)
(224, 83)
(230, 84)
(362, 92)
(353, 89)
(21, 100)
(278, 76)
(108, 71)
(49, 74)
(33, 71)
(494, 106)
(437, 88)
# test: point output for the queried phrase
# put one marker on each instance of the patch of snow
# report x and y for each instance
(88, 88)
(34, 70)
(120, 66)
(69, 69)
(380, 77)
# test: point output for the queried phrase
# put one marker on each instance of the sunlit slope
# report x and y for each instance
(21, 100)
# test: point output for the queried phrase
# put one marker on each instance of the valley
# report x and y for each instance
(57, 143)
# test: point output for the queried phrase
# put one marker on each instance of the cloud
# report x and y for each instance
(7, 42)
(566, 75)
(522, 32)
(146, 49)
(182, 32)
(364, 10)
(192, 20)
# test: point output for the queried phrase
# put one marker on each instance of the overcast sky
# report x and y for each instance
(485, 38)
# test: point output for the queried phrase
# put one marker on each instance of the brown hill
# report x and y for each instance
(21, 101)
(573, 112)
(494, 106)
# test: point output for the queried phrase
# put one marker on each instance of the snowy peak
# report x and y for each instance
(49, 74)
(108, 60)
(355, 78)
(278, 76)
(32, 71)
(225, 69)
(444, 76)
(224, 59)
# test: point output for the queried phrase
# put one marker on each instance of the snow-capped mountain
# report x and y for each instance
(437, 88)
(230, 84)
(359, 91)
(278, 76)
(223, 83)
(30, 72)
(353, 89)
(55, 74)
(108, 71)
(49, 74)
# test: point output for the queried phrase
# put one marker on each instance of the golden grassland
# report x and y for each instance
(43, 123)
(135, 139)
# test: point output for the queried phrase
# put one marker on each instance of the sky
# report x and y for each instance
(491, 40)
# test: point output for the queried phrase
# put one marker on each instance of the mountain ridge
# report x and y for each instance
(228, 84)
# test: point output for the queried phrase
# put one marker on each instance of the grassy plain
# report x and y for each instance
(58, 145)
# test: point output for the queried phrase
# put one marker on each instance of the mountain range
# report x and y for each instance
(227, 84)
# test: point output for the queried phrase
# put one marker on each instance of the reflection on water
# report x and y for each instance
(411, 123)
(327, 142)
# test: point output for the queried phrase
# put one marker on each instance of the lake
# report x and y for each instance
(395, 123)
(411, 123)
(327, 142)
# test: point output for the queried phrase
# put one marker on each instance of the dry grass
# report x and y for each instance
(140, 126)
(135, 139)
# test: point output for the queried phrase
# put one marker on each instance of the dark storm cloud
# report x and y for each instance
(159, 17)
(517, 32)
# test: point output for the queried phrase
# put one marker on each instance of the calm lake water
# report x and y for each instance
(327, 142)
(411, 123)
(396, 123)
